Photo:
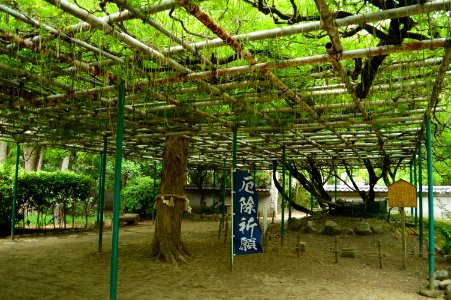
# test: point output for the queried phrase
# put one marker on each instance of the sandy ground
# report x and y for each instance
(67, 266)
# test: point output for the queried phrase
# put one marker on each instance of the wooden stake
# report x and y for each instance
(221, 221)
(379, 248)
(403, 233)
(336, 249)
(300, 247)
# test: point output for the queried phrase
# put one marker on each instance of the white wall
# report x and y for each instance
(442, 206)
(442, 203)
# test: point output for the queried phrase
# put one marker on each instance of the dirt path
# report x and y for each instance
(68, 267)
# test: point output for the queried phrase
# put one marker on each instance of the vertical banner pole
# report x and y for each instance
(289, 195)
(254, 175)
(411, 181)
(154, 189)
(117, 191)
(99, 186)
(430, 203)
(13, 206)
(102, 193)
(99, 192)
(282, 224)
(234, 150)
(416, 186)
(420, 199)
(223, 194)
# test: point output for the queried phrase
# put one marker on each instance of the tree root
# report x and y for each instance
(169, 252)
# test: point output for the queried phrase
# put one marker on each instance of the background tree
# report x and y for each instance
(3, 151)
(387, 172)
(314, 185)
(391, 34)
(313, 178)
(31, 154)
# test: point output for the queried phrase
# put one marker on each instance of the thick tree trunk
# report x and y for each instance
(41, 160)
(31, 157)
(167, 243)
(60, 210)
(3, 151)
(65, 163)
(314, 186)
(124, 179)
(203, 201)
(279, 188)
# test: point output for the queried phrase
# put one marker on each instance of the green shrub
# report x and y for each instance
(445, 229)
(6, 196)
(206, 210)
(137, 196)
(42, 191)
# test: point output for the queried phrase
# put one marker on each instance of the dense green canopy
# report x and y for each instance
(343, 80)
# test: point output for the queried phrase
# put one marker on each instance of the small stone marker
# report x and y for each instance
(363, 229)
(300, 246)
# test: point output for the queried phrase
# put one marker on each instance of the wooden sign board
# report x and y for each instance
(402, 194)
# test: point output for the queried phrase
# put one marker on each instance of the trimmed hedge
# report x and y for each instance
(42, 191)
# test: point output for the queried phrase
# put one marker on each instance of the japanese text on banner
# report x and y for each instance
(246, 229)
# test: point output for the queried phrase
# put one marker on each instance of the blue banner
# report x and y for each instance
(247, 234)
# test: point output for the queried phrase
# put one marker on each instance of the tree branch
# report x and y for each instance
(186, 29)
(279, 188)
(276, 14)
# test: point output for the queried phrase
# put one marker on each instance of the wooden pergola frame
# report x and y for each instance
(37, 107)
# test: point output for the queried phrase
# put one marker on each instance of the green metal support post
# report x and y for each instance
(411, 181)
(420, 200)
(415, 176)
(99, 186)
(117, 192)
(154, 189)
(234, 156)
(101, 199)
(289, 196)
(13, 206)
(430, 204)
(282, 223)
(98, 199)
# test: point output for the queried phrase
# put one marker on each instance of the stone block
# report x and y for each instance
(363, 229)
